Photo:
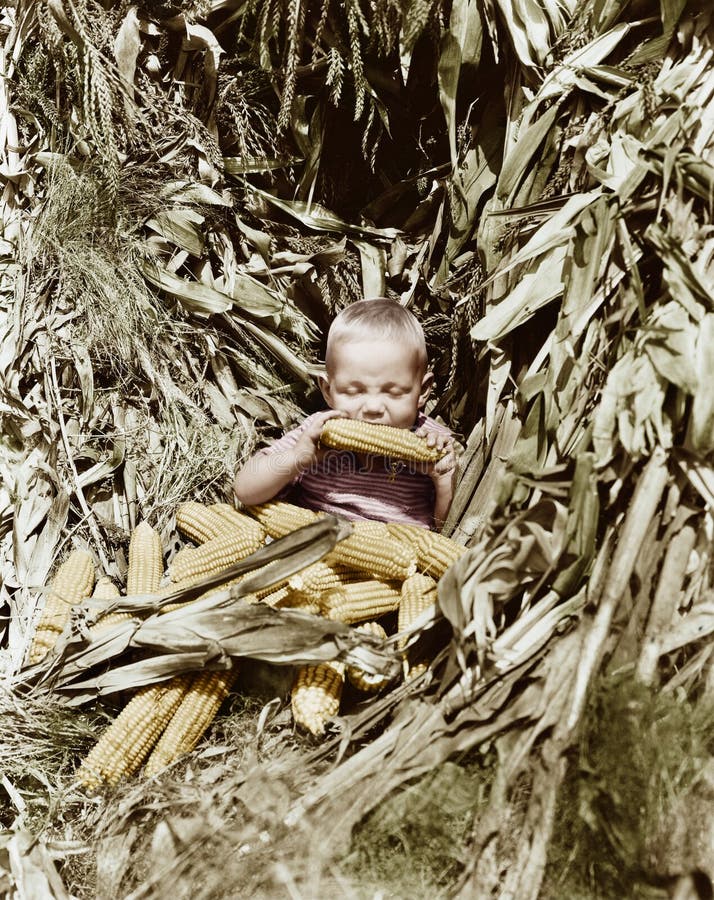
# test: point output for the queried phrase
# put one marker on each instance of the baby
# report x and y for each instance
(376, 371)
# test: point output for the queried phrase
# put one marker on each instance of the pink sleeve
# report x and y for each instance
(288, 440)
(432, 425)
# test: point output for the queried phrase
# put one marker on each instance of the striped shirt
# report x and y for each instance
(362, 486)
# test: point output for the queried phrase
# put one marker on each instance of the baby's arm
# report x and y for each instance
(265, 474)
(442, 473)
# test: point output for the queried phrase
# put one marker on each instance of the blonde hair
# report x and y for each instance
(378, 318)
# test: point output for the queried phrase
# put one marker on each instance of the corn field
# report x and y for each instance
(191, 193)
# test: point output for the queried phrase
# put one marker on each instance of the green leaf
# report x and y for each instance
(182, 227)
(196, 297)
(670, 339)
(588, 257)
(702, 418)
(631, 410)
(317, 218)
(563, 76)
(280, 350)
(522, 152)
(554, 232)
(246, 165)
(460, 45)
(582, 528)
(374, 269)
(473, 179)
(192, 192)
(670, 11)
(126, 47)
(529, 30)
(687, 286)
(534, 290)
(248, 295)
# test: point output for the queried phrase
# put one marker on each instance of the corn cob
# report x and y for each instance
(212, 556)
(299, 600)
(418, 594)
(235, 519)
(105, 589)
(195, 713)
(275, 595)
(72, 582)
(198, 522)
(360, 601)
(280, 518)
(370, 548)
(316, 695)
(367, 682)
(382, 440)
(203, 523)
(146, 561)
(129, 739)
(320, 577)
(435, 552)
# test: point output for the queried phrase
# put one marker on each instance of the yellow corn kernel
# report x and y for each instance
(146, 561)
(382, 440)
(214, 555)
(197, 710)
(413, 671)
(314, 580)
(198, 522)
(235, 519)
(360, 601)
(299, 600)
(435, 552)
(372, 549)
(418, 594)
(275, 595)
(105, 589)
(128, 740)
(203, 523)
(72, 582)
(316, 695)
(279, 518)
(367, 682)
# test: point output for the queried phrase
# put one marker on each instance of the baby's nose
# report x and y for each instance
(373, 406)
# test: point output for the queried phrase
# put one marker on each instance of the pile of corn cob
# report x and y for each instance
(379, 569)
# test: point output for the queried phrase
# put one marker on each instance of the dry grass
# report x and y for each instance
(90, 241)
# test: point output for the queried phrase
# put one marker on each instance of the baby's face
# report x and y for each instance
(376, 381)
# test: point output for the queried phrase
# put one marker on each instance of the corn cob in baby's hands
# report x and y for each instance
(382, 440)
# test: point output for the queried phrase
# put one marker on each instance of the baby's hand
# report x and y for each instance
(307, 447)
(444, 469)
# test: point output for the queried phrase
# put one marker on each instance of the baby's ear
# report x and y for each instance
(324, 384)
(427, 383)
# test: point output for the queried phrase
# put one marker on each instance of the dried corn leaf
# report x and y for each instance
(317, 218)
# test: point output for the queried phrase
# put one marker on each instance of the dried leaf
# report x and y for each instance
(126, 47)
